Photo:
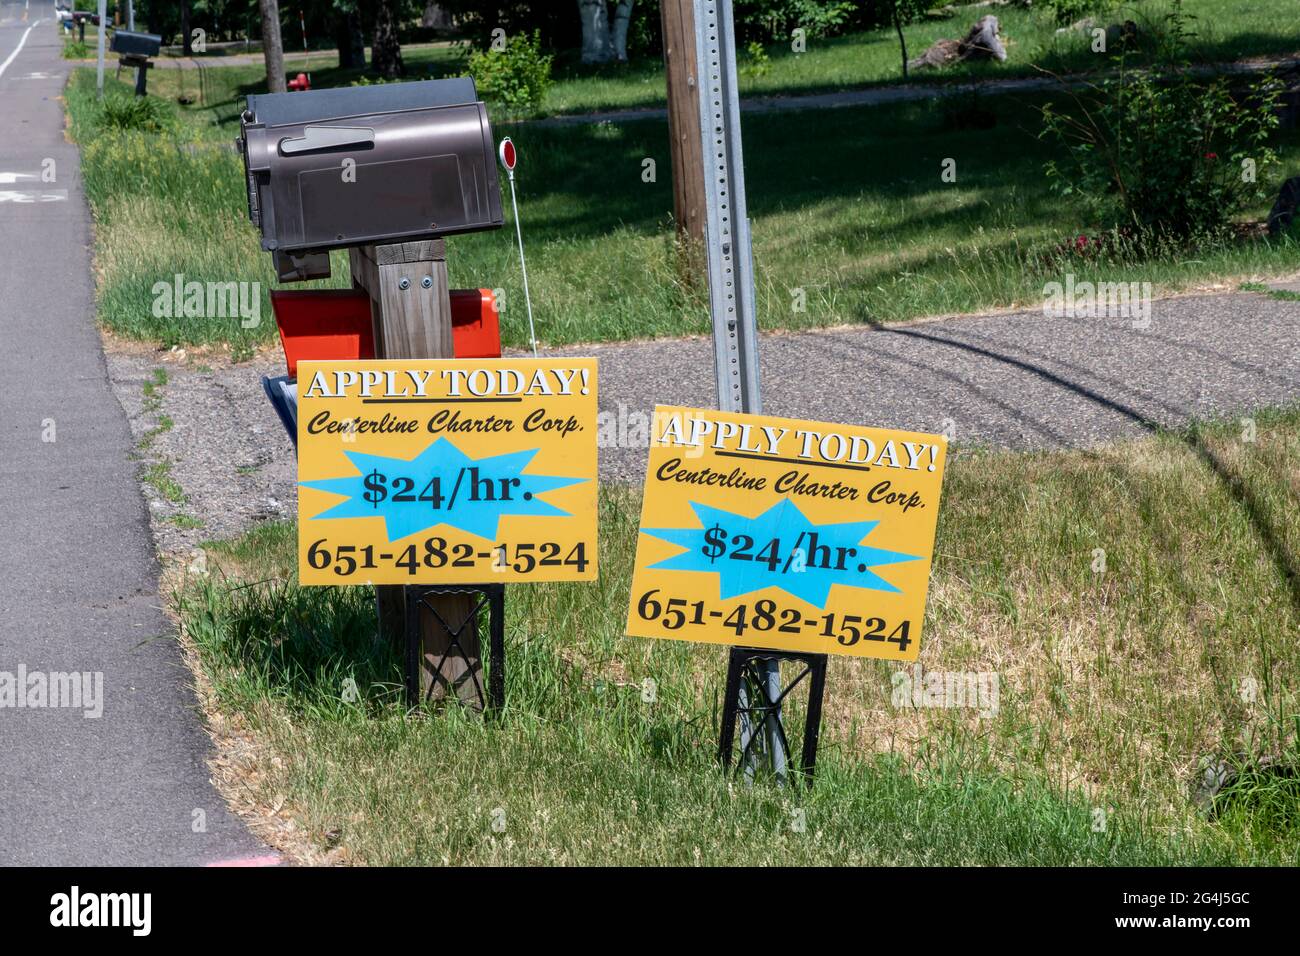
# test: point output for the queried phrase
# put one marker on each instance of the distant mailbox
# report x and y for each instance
(128, 43)
(367, 165)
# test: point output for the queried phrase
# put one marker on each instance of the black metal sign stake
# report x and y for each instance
(489, 596)
(748, 671)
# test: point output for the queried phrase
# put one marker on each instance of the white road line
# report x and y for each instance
(18, 49)
(28, 196)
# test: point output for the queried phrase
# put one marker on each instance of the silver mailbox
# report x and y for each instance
(367, 165)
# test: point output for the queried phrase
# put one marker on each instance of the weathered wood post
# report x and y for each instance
(410, 306)
(685, 142)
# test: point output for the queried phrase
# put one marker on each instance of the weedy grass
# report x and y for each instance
(852, 224)
(1120, 674)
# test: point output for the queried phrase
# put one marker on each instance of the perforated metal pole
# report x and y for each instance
(729, 254)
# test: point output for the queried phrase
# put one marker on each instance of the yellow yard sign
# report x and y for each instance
(786, 534)
(446, 472)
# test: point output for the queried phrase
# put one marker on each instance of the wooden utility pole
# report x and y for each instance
(678, 20)
(272, 48)
(410, 306)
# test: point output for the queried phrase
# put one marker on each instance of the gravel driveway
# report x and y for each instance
(1016, 380)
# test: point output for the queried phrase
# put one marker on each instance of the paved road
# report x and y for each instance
(1019, 380)
(78, 581)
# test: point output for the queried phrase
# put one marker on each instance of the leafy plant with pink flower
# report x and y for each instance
(1162, 152)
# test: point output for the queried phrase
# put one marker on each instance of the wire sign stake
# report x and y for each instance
(508, 155)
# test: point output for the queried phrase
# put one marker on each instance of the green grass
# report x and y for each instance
(1282, 295)
(847, 205)
(1226, 31)
(158, 475)
(1114, 687)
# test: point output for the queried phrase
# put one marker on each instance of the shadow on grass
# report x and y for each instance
(1270, 537)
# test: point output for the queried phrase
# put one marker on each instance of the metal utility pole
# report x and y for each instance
(678, 21)
(729, 255)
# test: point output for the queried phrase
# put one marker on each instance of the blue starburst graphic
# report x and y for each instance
(778, 548)
(446, 486)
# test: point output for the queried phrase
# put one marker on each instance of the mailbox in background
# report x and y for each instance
(134, 50)
(126, 43)
(424, 167)
(79, 17)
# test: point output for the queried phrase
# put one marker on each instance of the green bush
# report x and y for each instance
(757, 62)
(1069, 11)
(1162, 153)
(516, 77)
(123, 111)
(75, 50)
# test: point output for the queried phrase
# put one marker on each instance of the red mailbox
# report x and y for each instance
(475, 330)
(300, 82)
(335, 325)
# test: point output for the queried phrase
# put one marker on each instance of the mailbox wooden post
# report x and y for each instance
(383, 172)
(410, 306)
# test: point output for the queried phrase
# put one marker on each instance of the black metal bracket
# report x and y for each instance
(490, 596)
(744, 666)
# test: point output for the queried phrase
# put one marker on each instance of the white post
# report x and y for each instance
(103, 28)
(130, 15)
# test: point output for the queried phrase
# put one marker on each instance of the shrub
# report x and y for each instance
(770, 20)
(75, 50)
(516, 77)
(1069, 11)
(757, 62)
(123, 111)
(1161, 152)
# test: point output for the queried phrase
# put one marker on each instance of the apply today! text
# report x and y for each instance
(454, 386)
(413, 383)
(696, 432)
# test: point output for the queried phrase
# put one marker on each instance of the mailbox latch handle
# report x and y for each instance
(327, 137)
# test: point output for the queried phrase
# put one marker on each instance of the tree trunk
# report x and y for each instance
(386, 49)
(187, 43)
(272, 49)
(618, 32)
(902, 43)
(350, 41)
(595, 31)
